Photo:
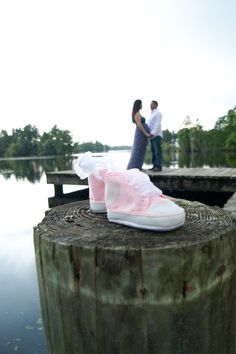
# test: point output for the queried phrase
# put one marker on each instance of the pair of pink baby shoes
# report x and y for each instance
(128, 196)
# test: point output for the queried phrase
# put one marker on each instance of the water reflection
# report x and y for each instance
(21, 327)
(23, 205)
(194, 160)
(33, 169)
(210, 159)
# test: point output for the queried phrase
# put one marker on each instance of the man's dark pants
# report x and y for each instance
(156, 149)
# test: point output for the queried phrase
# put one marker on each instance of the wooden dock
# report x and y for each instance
(173, 181)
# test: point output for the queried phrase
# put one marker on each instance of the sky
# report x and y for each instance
(80, 65)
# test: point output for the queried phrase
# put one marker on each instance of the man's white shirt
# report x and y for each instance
(154, 123)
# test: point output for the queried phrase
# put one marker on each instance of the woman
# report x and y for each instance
(140, 138)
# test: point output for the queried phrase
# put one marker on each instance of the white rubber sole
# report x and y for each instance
(98, 207)
(164, 223)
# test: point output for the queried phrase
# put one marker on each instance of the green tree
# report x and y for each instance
(93, 147)
(226, 125)
(47, 146)
(213, 140)
(24, 142)
(184, 139)
(183, 135)
(196, 136)
(230, 142)
(56, 142)
(5, 141)
(168, 137)
(191, 138)
(169, 141)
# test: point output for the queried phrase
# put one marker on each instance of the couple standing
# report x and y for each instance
(144, 131)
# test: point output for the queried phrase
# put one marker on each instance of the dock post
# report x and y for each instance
(58, 190)
(110, 289)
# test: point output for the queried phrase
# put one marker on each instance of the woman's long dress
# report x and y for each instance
(139, 147)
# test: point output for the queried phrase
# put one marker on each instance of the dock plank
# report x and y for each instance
(202, 180)
(224, 178)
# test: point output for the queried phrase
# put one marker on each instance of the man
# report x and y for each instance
(154, 124)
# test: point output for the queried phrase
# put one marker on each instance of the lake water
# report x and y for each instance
(24, 200)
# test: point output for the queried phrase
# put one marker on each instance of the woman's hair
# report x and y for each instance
(136, 107)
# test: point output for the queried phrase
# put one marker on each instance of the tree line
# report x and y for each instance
(192, 138)
(28, 142)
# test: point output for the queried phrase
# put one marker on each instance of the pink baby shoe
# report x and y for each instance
(95, 168)
(97, 191)
(133, 200)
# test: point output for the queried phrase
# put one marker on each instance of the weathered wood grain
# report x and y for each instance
(106, 288)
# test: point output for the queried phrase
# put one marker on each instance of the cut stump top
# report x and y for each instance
(75, 224)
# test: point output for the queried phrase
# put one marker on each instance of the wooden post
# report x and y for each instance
(111, 289)
(58, 189)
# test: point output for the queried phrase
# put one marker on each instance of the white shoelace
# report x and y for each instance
(141, 182)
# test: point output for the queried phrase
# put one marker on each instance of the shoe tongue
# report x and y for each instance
(142, 182)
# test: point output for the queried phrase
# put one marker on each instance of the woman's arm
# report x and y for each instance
(137, 119)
